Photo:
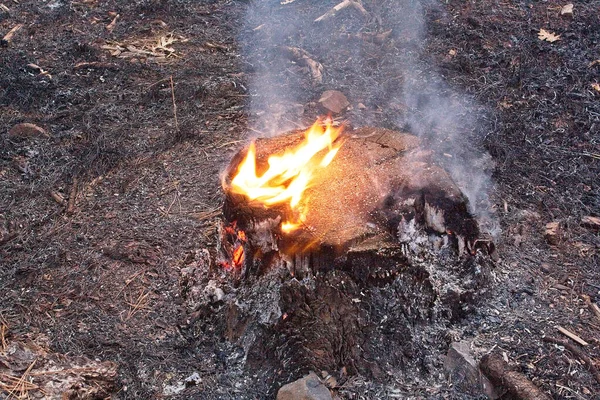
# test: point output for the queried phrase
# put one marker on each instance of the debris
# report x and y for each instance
(545, 268)
(40, 70)
(464, 373)
(8, 37)
(302, 57)
(595, 62)
(172, 390)
(593, 306)
(58, 197)
(134, 252)
(72, 196)
(514, 382)
(552, 232)
(193, 379)
(29, 370)
(4, 8)
(113, 23)
(344, 4)
(284, 2)
(548, 36)
(596, 87)
(157, 49)
(213, 293)
(217, 46)
(174, 104)
(307, 388)
(27, 129)
(334, 101)
(578, 353)
(567, 10)
(96, 65)
(572, 336)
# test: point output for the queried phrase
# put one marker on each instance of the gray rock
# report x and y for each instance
(307, 388)
(464, 373)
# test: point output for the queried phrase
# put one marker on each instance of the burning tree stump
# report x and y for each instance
(386, 257)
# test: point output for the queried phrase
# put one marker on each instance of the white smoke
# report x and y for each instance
(396, 81)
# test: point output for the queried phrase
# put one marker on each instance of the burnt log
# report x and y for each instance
(387, 258)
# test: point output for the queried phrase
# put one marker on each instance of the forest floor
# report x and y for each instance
(139, 105)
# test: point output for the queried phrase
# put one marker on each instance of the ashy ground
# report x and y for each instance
(142, 103)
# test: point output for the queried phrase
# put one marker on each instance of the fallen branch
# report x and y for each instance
(304, 58)
(517, 384)
(8, 37)
(344, 4)
(577, 352)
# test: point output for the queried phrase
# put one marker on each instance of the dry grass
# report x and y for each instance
(18, 388)
(137, 305)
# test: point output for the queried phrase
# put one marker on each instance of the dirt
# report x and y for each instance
(144, 129)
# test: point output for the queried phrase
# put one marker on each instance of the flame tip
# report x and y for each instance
(290, 172)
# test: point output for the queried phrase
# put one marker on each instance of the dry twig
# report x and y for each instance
(572, 336)
(113, 23)
(139, 304)
(174, 105)
(57, 197)
(8, 37)
(96, 65)
(304, 58)
(339, 7)
(592, 306)
(20, 386)
(3, 331)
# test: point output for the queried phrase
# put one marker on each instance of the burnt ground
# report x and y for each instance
(101, 277)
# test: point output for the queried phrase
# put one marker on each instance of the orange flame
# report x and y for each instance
(289, 174)
(238, 256)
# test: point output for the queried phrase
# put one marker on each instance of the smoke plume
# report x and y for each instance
(390, 79)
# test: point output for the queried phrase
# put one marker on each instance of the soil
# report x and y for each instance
(145, 102)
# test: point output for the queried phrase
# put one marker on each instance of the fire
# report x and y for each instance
(288, 174)
(238, 256)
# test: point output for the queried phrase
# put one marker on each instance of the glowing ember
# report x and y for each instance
(289, 174)
(238, 256)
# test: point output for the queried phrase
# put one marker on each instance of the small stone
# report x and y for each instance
(307, 388)
(28, 130)
(464, 373)
(552, 232)
(591, 222)
(334, 101)
(545, 268)
(567, 10)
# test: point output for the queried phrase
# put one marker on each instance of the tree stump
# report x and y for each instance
(387, 257)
